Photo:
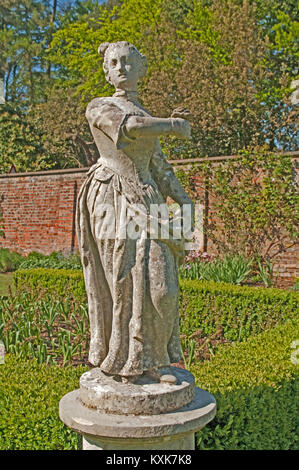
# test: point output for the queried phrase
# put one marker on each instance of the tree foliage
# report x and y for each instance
(24, 36)
(230, 61)
(253, 205)
(21, 142)
(71, 143)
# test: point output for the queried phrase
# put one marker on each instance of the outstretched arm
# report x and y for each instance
(140, 126)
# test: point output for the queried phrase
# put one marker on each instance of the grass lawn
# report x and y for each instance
(5, 281)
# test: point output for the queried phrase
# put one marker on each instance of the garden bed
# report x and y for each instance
(211, 314)
(255, 384)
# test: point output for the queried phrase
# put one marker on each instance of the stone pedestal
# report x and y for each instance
(145, 416)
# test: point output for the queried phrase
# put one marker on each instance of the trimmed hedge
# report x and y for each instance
(60, 282)
(240, 311)
(29, 399)
(256, 386)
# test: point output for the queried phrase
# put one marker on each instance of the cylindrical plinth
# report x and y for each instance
(177, 442)
(168, 431)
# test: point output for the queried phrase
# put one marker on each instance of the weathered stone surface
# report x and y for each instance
(105, 394)
(106, 427)
(133, 399)
(177, 442)
(131, 274)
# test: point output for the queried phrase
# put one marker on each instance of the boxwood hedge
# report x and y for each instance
(240, 311)
(58, 282)
(29, 399)
(256, 385)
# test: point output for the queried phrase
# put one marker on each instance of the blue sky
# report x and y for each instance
(70, 2)
(64, 3)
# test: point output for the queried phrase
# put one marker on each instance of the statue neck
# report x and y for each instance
(126, 94)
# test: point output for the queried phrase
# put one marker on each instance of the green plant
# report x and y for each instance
(237, 311)
(29, 400)
(253, 204)
(9, 260)
(188, 349)
(219, 311)
(231, 269)
(55, 260)
(52, 331)
(58, 282)
(255, 385)
(267, 274)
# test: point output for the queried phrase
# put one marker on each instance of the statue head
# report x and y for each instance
(123, 64)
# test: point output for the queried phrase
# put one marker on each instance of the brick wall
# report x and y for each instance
(39, 209)
(39, 215)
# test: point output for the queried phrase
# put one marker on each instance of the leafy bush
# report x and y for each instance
(209, 312)
(9, 260)
(29, 402)
(231, 269)
(58, 282)
(53, 261)
(253, 204)
(238, 311)
(296, 285)
(255, 385)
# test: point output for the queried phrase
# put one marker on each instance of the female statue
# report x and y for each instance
(131, 282)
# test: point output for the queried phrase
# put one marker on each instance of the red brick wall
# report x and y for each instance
(39, 215)
(38, 210)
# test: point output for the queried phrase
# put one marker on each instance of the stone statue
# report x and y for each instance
(134, 399)
(131, 281)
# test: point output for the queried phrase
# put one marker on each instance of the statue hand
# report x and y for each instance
(181, 112)
(181, 128)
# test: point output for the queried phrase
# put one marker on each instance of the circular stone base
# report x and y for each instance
(173, 430)
(177, 442)
(107, 394)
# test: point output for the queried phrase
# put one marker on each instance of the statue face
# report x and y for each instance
(123, 69)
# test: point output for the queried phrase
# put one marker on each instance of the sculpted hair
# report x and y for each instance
(106, 48)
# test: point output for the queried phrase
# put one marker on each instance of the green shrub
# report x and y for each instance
(9, 260)
(238, 312)
(29, 401)
(57, 282)
(296, 285)
(252, 198)
(50, 330)
(56, 260)
(231, 269)
(256, 387)
(205, 307)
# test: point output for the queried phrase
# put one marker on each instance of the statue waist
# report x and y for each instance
(103, 171)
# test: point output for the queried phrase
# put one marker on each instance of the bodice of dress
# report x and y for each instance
(126, 156)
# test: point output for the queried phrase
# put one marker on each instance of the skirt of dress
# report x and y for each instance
(131, 282)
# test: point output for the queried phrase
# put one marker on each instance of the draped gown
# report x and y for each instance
(131, 283)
